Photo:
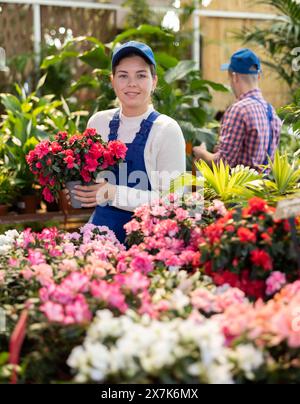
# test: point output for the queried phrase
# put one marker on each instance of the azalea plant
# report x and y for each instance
(111, 315)
(249, 249)
(71, 158)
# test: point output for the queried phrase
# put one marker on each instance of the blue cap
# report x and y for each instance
(133, 47)
(244, 61)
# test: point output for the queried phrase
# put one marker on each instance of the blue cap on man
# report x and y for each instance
(244, 61)
(133, 47)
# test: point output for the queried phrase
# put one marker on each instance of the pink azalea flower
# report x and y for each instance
(275, 282)
(53, 311)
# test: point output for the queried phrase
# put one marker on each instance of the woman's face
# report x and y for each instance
(133, 83)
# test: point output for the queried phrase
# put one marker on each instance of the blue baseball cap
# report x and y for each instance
(133, 47)
(244, 61)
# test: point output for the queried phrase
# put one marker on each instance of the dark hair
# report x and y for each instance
(131, 55)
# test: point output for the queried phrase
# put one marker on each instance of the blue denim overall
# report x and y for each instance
(110, 216)
(269, 114)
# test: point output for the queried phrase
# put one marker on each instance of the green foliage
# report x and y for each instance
(7, 185)
(279, 39)
(139, 13)
(181, 93)
(284, 177)
(28, 119)
(229, 185)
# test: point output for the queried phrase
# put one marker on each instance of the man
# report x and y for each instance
(250, 128)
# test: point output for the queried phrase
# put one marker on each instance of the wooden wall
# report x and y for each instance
(218, 44)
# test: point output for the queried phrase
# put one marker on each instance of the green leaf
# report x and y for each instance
(96, 58)
(216, 86)
(11, 102)
(141, 31)
(180, 71)
(165, 60)
(54, 59)
(41, 82)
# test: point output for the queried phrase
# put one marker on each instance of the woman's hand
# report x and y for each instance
(96, 194)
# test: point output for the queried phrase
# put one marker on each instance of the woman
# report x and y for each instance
(156, 146)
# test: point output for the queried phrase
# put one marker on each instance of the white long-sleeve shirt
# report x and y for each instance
(164, 154)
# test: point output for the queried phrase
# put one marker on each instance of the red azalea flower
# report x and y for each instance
(92, 165)
(43, 180)
(70, 161)
(246, 236)
(30, 157)
(196, 260)
(262, 259)
(47, 194)
(214, 232)
(255, 289)
(90, 132)
(85, 175)
(69, 152)
(96, 151)
(118, 149)
(257, 205)
(42, 149)
(61, 136)
(56, 147)
(226, 277)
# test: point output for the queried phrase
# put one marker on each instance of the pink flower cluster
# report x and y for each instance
(165, 230)
(266, 324)
(65, 303)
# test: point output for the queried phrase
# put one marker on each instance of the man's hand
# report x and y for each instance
(200, 152)
(96, 194)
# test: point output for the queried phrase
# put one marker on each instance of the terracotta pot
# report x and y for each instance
(27, 204)
(3, 210)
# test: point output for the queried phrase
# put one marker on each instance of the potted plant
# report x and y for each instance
(7, 189)
(71, 160)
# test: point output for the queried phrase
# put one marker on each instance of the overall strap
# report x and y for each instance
(114, 126)
(269, 113)
(146, 127)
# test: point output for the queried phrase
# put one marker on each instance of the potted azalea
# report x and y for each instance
(71, 160)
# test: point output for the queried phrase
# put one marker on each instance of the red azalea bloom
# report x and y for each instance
(43, 180)
(214, 232)
(262, 259)
(85, 175)
(257, 205)
(69, 152)
(61, 136)
(42, 149)
(90, 132)
(246, 236)
(56, 147)
(70, 161)
(91, 164)
(47, 194)
(196, 260)
(118, 149)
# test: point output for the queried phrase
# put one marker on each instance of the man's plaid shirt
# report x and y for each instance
(244, 136)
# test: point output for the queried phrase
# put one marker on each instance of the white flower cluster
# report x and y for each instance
(7, 241)
(118, 348)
